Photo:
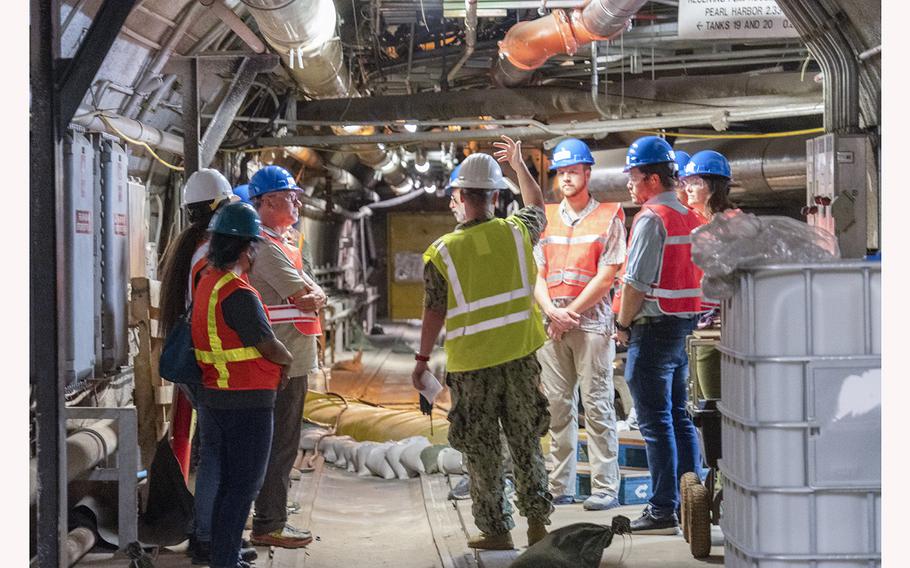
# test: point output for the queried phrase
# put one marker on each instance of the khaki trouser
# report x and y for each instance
(581, 359)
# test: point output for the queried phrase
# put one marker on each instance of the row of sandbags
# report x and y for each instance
(403, 459)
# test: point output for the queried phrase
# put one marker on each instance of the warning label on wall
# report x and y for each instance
(120, 224)
(83, 221)
(733, 19)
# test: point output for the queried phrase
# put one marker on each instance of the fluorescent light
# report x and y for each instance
(422, 167)
(430, 188)
(352, 128)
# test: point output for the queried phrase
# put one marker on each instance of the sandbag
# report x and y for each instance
(579, 545)
(348, 451)
(450, 460)
(327, 447)
(338, 444)
(311, 436)
(410, 457)
(393, 456)
(429, 457)
(360, 458)
(377, 463)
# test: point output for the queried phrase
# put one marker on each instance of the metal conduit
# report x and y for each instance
(528, 45)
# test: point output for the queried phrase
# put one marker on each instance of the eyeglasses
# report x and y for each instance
(287, 195)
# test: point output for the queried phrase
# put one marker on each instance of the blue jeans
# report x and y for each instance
(238, 441)
(208, 473)
(656, 371)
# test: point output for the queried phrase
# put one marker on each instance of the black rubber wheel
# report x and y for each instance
(698, 510)
(687, 480)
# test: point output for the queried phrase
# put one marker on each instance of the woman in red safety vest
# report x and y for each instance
(707, 179)
(243, 364)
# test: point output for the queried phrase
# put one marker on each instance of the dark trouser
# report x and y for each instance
(656, 370)
(271, 504)
(240, 440)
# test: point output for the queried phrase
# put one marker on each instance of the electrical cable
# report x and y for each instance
(736, 136)
(139, 143)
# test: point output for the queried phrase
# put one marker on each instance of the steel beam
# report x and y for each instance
(45, 194)
(199, 149)
(77, 77)
(247, 69)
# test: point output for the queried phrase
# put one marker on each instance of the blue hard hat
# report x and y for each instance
(569, 152)
(649, 150)
(243, 192)
(272, 178)
(682, 158)
(452, 179)
(236, 219)
(708, 162)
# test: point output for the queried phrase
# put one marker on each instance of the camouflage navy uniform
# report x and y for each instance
(509, 394)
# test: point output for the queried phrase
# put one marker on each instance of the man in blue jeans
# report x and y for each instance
(661, 299)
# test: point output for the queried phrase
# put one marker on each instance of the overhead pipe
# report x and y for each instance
(527, 45)
(718, 117)
(470, 37)
(551, 101)
(91, 120)
(303, 34)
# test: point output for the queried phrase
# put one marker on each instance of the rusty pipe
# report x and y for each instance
(237, 25)
(528, 45)
(470, 37)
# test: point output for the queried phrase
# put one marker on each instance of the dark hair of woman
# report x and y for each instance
(719, 187)
(225, 250)
(175, 271)
(666, 171)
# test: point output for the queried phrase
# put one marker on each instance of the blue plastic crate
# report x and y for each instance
(634, 487)
(632, 455)
(582, 485)
(581, 452)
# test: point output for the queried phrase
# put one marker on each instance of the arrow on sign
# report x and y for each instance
(641, 491)
(698, 25)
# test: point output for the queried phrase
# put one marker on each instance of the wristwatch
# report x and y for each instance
(423, 358)
(621, 327)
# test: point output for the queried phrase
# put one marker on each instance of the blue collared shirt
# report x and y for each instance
(646, 249)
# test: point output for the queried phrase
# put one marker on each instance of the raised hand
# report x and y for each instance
(509, 152)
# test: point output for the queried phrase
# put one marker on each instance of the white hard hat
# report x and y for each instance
(479, 171)
(207, 185)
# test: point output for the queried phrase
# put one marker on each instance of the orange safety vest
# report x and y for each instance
(226, 363)
(572, 252)
(678, 286)
(306, 322)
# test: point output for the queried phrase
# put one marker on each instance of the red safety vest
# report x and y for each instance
(572, 252)
(306, 322)
(678, 286)
(226, 363)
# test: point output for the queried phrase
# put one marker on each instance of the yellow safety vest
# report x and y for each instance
(491, 316)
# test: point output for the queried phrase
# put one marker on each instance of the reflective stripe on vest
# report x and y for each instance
(464, 307)
(219, 357)
(678, 286)
(307, 323)
(573, 252)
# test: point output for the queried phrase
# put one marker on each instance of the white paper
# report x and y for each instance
(431, 386)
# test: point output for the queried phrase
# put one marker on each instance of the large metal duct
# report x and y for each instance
(302, 32)
(529, 44)
(764, 169)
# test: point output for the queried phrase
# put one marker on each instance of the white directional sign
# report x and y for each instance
(733, 19)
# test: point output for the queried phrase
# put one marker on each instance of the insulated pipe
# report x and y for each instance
(85, 448)
(133, 128)
(78, 542)
(302, 32)
(761, 168)
(527, 45)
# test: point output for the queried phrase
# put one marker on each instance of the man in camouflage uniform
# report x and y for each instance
(509, 332)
